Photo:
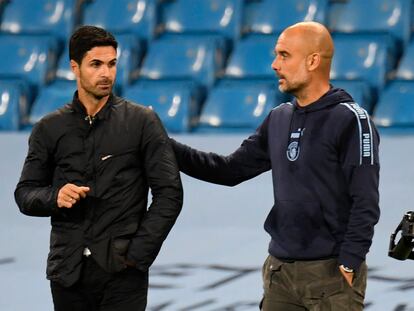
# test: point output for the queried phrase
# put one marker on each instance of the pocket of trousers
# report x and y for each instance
(359, 282)
(271, 271)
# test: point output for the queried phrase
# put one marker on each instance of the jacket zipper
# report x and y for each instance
(91, 120)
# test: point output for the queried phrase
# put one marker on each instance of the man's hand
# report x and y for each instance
(349, 276)
(70, 194)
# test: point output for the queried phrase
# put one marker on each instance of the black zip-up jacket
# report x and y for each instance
(325, 169)
(120, 153)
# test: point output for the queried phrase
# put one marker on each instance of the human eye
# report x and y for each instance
(95, 64)
(283, 55)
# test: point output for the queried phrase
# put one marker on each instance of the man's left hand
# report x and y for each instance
(349, 276)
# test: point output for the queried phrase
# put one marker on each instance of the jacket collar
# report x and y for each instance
(102, 114)
(334, 96)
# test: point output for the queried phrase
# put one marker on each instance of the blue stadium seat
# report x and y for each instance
(221, 17)
(54, 17)
(250, 65)
(13, 105)
(183, 58)
(130, 53)
(252, 58)
(50, 98)
(237, 105)
(138, 17)
(272, 17)
(359, 90)
(176, 103)
(396, 105)
(363, 57)
(405, 69)
(63, 70)
(388, 16)
(28, 57)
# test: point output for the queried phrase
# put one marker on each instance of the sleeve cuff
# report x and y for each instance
(350, 260)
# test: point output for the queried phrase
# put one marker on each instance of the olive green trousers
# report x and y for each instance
(311, 286)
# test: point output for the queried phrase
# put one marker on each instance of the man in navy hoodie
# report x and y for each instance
(322, 149)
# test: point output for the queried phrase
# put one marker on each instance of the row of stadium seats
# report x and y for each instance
(227, 18)
(366, 57)
(230, 105)
(367, 60)
(201, 50)
(358, 57)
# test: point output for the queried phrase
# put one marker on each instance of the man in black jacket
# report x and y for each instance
(89, 167)
(323, 152)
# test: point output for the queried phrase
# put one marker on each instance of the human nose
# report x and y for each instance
(276, 64)
(104, 72)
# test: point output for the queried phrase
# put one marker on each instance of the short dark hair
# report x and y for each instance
(85, 38)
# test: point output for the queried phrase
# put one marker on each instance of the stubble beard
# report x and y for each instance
(292, 88)
(287, 88)
(101, 94)
(96, 92)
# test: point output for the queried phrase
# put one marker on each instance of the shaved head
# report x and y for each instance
(314, 38)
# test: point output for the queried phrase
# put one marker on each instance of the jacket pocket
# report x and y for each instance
(111, 156)
(119, 250)
(57, 253)
(109, 251)
(63, 244)
(120, 241)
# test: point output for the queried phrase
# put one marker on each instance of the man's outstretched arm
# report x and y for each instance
(248, 161)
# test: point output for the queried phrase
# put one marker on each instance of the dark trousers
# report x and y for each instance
(311, 286)
(98, 290)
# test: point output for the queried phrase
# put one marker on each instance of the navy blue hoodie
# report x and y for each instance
(325, 169)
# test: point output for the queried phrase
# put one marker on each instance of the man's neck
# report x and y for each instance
(92, 104)
(311, 94)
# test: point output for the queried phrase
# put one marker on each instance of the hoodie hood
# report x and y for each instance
(333, 97)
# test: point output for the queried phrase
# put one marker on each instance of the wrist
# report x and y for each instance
(346, 269)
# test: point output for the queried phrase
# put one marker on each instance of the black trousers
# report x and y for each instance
(98, 290)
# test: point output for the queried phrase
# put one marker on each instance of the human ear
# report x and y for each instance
(313, 61)
(75, 67)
